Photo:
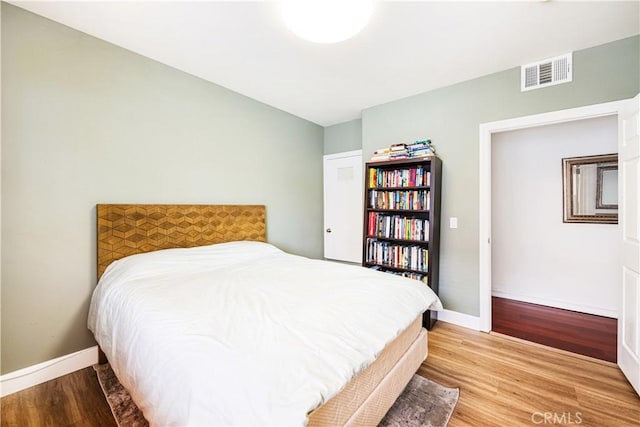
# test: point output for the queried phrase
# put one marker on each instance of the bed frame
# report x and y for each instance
(128, 229)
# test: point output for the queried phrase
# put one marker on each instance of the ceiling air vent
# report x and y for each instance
(545, 73)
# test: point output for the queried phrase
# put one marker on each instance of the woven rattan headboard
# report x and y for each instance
(125, 230)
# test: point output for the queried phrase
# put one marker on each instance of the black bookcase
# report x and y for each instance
(402, 219)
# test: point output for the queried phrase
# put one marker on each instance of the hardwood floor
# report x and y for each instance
(586, 334)
(502, 383)
(73, 400)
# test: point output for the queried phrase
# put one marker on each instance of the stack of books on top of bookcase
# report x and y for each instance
(403, 150)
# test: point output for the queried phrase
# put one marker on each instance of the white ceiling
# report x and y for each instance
(407, 47)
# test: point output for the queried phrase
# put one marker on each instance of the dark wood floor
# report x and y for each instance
(586, 334)
(72, 400)
(502, 383)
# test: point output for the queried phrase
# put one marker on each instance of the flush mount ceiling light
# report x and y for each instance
(326, 21)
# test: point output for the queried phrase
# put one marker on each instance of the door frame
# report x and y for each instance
(486, 130)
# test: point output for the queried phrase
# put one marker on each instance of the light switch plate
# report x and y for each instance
(453, 222)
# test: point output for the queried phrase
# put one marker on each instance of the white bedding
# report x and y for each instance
(243, 333)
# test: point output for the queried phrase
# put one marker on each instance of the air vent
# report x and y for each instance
(545, 73)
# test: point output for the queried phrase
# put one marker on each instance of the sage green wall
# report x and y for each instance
(86, 122)
(451, 116)
(343, 137)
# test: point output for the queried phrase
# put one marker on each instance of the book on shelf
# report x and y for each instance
(416, 276)
(399, 178)
(397, 227)
(399, 199)
(393, 255)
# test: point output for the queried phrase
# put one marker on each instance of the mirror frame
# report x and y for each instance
(568, 186)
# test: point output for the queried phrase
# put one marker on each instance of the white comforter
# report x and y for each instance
(242, 333)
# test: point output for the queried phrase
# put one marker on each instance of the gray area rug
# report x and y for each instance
(125, 412)
(423, 403)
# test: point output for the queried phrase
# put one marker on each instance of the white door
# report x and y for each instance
(629, 218)
(343, 210)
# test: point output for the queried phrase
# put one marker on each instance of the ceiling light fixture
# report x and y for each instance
(326, 21)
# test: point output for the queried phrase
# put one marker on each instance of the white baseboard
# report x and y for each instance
(46, 371)
(460, 319)
(581, 308)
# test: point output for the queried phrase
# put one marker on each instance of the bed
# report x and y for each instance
(205, 323)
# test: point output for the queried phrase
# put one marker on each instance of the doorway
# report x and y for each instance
(628, 114)
(486, 131)
(548, 274)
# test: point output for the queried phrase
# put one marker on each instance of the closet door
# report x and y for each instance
(343, 206)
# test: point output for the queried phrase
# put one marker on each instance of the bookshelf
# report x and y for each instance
(402, 219)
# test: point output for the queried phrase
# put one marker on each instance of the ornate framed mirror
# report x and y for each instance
(590, 189)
